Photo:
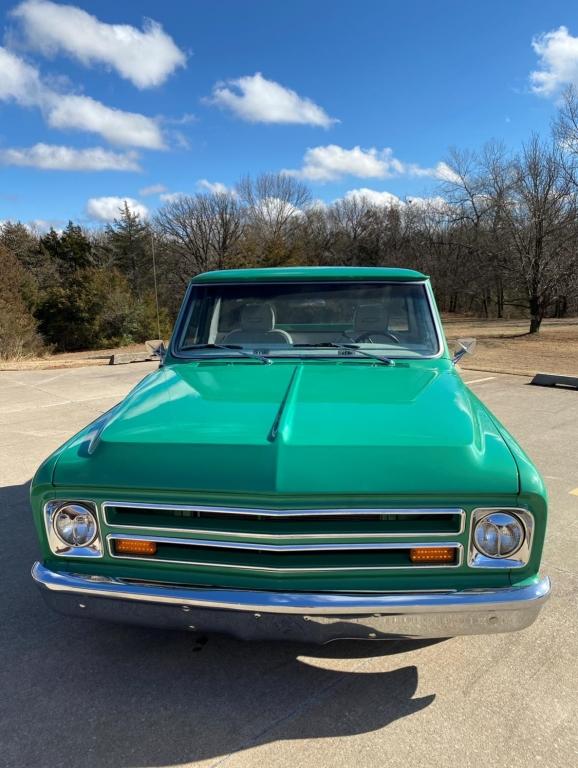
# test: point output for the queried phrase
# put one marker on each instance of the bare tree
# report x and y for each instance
(273, 206)
(201, 232)
(317, 238)
(565, 129)
(536, 211)
(474, 273)
(271, 201)
(18, 328)
(351, 221)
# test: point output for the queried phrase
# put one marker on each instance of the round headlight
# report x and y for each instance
(75, 525)
(499, 534)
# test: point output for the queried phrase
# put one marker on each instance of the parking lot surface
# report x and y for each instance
(78, 693)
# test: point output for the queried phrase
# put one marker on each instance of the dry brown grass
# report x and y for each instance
(67, 359)
(503, 346)
(506, 346)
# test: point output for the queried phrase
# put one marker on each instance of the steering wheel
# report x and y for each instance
(368, 337)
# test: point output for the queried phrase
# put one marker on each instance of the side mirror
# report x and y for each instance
(156, 348)
(465, 347)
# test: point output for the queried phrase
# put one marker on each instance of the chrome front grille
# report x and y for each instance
(285, 540)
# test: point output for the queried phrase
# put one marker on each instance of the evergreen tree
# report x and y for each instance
(19, 240)
(129, 241)
(65, 319)
(70, 251)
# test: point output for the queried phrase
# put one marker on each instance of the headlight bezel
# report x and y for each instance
(58, 546)
(520, 557)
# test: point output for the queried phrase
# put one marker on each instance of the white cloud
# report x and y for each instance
(20, 82)
(153, 189)
(58, 158)
(317, 204)
(384, 199)
(440, 171)
(272, 211)
(42, 226)
(146, 57)
(171, 197)
(85, 114)
(558, 61)
(258, 100)
(332, 162)
(435, 203)
(39, 226)
(373, 197)
(108, 208)
(185, 119)
(214, 186)
(443, 172)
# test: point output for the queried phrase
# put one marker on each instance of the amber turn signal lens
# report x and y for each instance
(432, 555)
(134, 547)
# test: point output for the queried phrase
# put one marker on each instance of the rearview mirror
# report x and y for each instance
(465, 347)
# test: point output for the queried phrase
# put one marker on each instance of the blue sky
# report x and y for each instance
(172, 101)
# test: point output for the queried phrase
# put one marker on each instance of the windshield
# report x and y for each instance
(307, 319)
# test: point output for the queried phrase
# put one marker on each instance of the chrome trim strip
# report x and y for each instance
(497, 599)
(288, 514)
(436, 320)
(280, 547)
(520, 558)
(284, 548)
(268, 512)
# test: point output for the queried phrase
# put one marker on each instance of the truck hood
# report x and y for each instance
(326, 427)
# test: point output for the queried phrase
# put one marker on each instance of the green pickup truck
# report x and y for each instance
(306, 463)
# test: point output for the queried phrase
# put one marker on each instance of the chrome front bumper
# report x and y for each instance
(302, 616)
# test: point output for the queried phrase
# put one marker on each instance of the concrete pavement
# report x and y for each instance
(77, 693)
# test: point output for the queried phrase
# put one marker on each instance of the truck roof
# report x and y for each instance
(300, 274)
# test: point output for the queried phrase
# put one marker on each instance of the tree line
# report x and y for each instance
(500, 239)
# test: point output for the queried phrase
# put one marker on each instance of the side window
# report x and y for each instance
(191, 335)
(197, 329)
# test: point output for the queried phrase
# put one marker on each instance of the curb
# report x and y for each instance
(503, 371)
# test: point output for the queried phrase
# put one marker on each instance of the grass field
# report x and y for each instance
(503, 346)
(506, 346)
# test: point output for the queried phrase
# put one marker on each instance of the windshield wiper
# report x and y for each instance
(350, 348)
(229, 348)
